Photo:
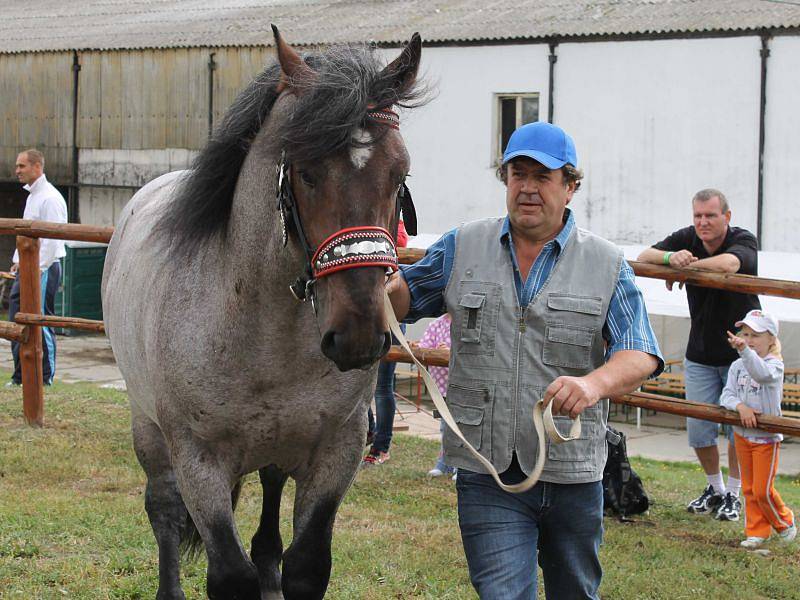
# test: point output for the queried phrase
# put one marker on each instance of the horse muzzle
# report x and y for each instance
(354, 352)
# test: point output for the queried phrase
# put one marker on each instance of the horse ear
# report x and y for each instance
(293, 67)
(404, 68)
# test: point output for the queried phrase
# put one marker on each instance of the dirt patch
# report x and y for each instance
(90, 355)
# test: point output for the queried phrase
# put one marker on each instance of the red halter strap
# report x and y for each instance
(354, 247)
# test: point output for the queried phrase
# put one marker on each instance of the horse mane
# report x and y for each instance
(348, 80)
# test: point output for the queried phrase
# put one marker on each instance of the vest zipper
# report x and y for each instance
(520, 330)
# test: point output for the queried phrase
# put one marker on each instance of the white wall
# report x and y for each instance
(450, 139)
(782, 147)
(655, 121)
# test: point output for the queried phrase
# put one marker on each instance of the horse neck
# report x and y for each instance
(255, 238)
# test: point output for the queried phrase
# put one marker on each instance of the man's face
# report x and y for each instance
(536, 197)
(710, 223)
(27, 172)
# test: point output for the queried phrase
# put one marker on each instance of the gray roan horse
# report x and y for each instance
(227, 372)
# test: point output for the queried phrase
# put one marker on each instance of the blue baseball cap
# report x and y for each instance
(544, 143)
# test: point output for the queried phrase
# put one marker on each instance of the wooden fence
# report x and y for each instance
(26, 328)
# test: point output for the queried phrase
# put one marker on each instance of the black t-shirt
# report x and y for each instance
(714, 312)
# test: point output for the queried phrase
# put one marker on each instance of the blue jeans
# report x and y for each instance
(502, 532)
(440, 464)
(704, 383)
(385, 405)
(49, 283)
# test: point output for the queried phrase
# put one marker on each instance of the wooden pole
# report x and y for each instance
(51, 321)
(13, 332)
(58, 231)
(733, 282)
(707, 412)
(676, 406)
(30, 352)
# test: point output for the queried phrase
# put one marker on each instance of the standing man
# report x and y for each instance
(711, 244)
(44, 203)
(540, 309)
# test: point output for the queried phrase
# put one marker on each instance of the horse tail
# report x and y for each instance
(191, 543)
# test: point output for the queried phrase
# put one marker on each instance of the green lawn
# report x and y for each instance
(72, 522)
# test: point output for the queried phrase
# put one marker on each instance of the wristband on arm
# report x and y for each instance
(666, 257)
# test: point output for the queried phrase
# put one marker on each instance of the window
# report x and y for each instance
(512, 111)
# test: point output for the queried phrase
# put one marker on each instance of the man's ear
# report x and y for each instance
(727, 216)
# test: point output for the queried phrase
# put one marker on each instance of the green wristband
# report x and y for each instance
(666, 257)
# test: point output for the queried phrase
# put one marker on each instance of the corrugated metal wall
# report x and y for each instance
(36, 110)
(141, 113)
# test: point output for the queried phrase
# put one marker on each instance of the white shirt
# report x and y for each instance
(45, 203)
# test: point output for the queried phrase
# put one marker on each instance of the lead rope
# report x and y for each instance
(542, 418)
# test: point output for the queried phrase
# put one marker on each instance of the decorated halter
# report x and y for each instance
(350, 248)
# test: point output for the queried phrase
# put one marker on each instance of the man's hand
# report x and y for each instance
(748, 415)
(571, 395)
(736, 342)
(681, 259)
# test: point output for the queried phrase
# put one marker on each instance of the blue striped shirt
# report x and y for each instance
(627, 326)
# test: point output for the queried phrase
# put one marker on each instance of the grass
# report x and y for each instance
(72, 522)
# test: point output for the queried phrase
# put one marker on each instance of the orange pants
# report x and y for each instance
(764, 509)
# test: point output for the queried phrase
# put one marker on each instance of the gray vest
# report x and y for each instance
(503, 358)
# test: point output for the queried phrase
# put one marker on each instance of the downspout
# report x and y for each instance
(211, 68)
(765, 38)
(552, 58)
(73, 214)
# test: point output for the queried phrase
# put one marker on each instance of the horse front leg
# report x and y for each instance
(307, 561)
(267, 546)
(206, 484)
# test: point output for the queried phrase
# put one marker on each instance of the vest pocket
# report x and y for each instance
(475, 318)
(567, 346)
(577, 455)
(588, 305)
(471, 305)
(472, 411)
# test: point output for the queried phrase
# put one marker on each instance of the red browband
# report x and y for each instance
(385, 116)
(354, 247)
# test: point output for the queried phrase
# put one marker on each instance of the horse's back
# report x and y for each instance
(129, 287)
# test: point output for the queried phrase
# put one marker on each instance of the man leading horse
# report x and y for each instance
(540, 308)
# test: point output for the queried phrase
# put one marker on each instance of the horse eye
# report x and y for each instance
(306, 179)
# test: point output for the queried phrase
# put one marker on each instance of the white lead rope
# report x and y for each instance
(542, 418)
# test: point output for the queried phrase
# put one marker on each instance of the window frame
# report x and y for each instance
(497, 128)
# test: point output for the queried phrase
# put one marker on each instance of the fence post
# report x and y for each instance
(30, 352)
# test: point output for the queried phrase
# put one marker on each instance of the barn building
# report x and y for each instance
(663, 97)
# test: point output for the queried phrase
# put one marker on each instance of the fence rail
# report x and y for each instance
(28, 322)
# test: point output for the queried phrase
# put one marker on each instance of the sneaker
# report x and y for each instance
(788, 534)
(375, 458)
(12, 384)
(708, 502)
(752, 542)
(730, 508)
(435, 472)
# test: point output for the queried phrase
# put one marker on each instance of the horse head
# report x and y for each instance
(340, 208)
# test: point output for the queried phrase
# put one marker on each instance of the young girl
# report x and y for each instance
(437, 335)
(755, 386)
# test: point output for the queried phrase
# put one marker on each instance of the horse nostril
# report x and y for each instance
(328, 345)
